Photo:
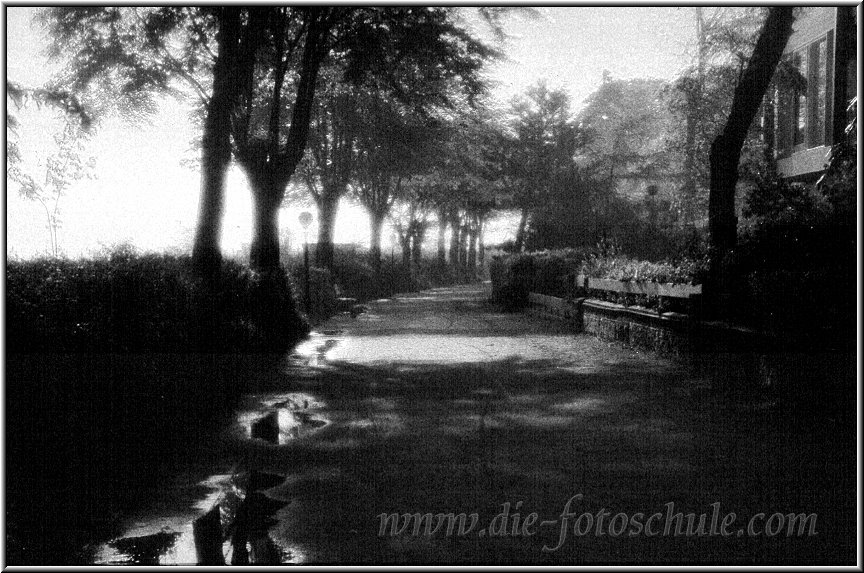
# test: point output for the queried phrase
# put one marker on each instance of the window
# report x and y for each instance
(803, 98)
(817, 85)
(799, 66)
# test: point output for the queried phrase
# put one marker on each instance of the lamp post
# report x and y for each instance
(305, 221)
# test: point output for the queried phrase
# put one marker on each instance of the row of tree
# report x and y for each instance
(387, 106)
(367, 89)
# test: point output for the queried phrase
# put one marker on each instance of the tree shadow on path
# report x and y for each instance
(631, 438)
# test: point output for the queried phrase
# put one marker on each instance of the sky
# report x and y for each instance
(141, 194)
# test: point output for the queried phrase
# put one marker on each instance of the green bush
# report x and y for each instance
(123, 302)
(353, 276)
(555, 272)
(797, 255)
(511, 280)
(322, 291)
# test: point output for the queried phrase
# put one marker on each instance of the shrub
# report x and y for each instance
(353, 275)
(322, 291)
(123, 302)
(797, 255)
(511, 280)
(555, 272)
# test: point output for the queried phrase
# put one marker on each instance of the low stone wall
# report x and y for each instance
(668, 333)
(636, 327)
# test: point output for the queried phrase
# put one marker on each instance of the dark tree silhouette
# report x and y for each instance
(216, 142)
(726, 150)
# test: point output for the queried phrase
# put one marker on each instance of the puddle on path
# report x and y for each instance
(279, 418)
(246, 512)
(313, 351)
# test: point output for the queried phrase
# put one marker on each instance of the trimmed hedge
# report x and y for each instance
(117, 367)
(125, 302)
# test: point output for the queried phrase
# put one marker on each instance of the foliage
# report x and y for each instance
(262, 63)
(797, 253)
(511, 280)
(22, 96)
(684, 271)
(57, 172)
(118, 59)
(700, 98)
(536, 156)
(353, 276)
(322, 290)
(124, 302)
(555, 273)
(585, 211)
(627, 122)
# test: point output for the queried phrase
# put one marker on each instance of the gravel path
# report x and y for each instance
(438, 403)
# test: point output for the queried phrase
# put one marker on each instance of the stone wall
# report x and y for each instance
(668, 333)
(636, 327)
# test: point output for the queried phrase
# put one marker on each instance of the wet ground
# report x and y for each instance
(438, 403)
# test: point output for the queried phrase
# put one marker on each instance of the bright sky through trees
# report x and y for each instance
(143, 195)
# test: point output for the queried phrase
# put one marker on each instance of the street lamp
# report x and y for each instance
(305, 221)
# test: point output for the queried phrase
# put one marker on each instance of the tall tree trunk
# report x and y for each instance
(405, 243)
(376, 221)
(216, 145)
(472, 251)
(463, 248)
(264, 252)
(442, 241)
(454, 240)
(520, 231)
(726, 153)
(270, 176)
(417, 238)
(328, 205)
(481, 243)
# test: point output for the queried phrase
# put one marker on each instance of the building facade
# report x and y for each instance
(816, 80)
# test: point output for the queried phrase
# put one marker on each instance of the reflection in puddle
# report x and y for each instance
(146, 550)
(162, 548)
(251, 543)
(246, 516)
(287, 417)
(244, 513)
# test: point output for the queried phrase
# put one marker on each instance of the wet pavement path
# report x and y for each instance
(439, 403)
